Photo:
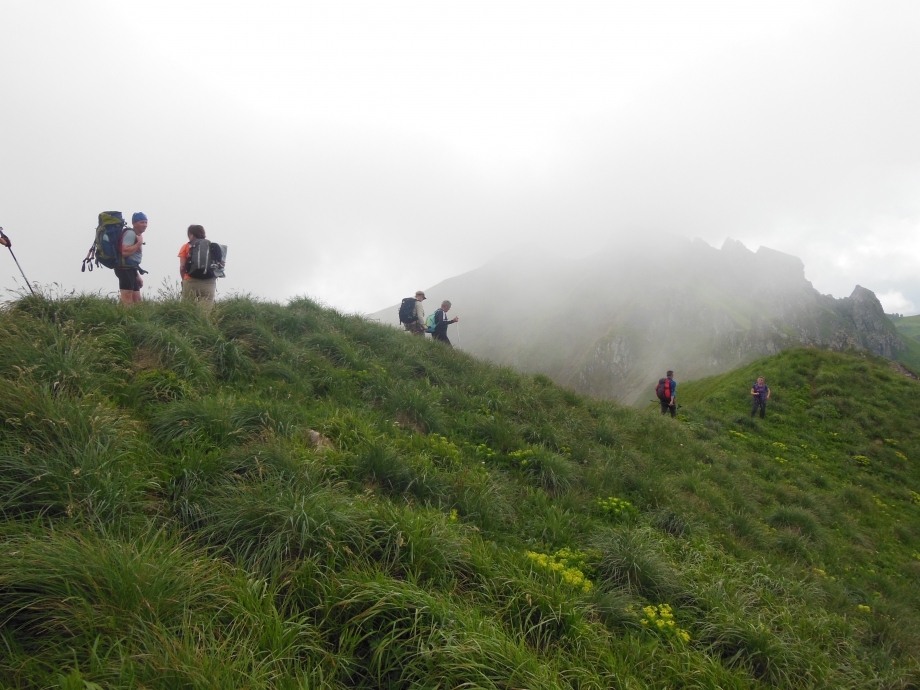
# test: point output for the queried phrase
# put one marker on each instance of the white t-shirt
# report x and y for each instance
(129, 238)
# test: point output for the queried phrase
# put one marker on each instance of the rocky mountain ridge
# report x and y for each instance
(611, 323)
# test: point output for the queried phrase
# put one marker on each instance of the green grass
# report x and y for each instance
(168, 519)
(908, 326)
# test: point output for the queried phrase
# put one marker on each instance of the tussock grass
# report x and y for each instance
(267, 523)
(170, 517)
(415, 406)
(100, 584)
(631, 559)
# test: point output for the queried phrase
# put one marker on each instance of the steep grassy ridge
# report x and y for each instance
(170, 517)
(830, 477)
(909, 328)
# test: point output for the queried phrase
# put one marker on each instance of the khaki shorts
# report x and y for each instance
(198, 290)
(415, 328)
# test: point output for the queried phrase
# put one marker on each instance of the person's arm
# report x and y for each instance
(129, 250)
(441, 322)
(673, 391)
(183, 256)
(768, 393)
(441, 318)
(753, 392)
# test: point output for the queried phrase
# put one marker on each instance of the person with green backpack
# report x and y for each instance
(437, 323)
(132, 243)
(120, 248)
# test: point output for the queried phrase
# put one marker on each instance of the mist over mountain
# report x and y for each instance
(610, 323)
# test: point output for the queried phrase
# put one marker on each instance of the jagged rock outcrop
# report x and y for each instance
(873, 330)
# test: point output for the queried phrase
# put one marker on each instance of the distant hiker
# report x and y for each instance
(761, 393)
(199, 266)
(132, 242)
(412, 314)
(438, 323)
(666, 390)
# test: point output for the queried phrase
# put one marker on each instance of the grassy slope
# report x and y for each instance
(167, 522)
(830, 477)
(911, 356)
(909, 328)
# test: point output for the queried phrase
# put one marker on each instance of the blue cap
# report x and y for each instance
(138, 216)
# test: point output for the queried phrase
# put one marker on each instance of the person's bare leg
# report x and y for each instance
(127, 297)
(136, 296)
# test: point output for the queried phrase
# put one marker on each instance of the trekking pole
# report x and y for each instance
(5, 241)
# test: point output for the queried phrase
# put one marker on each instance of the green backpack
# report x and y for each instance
(106, 249)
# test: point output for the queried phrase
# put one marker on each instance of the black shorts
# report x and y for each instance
(127, 279)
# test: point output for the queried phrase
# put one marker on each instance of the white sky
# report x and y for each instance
(356, 151)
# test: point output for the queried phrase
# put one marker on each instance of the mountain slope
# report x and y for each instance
(908, 326)
(610, 324)
(835, 459)
(276, 497)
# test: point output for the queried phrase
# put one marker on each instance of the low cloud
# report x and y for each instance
(895, 302)
(358, 168)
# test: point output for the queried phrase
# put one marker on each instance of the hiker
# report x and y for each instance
(441, 323)
(412, 314)
(195, 288)
(761, 393)
(129, 279)
(666, 390)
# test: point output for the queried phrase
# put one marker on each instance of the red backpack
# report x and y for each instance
(663, 389)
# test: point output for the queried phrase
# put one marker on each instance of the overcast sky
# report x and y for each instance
(357, 151)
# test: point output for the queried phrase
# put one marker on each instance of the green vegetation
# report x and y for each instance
(269, 496)
(909, 328)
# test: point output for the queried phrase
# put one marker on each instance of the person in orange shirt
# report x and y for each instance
(193, 288)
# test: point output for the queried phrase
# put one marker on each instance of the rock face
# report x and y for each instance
(612, 323)
(872, 327)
